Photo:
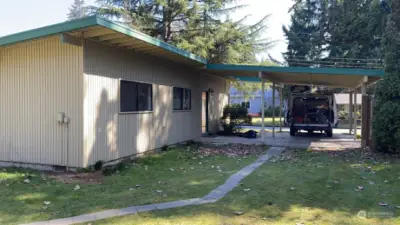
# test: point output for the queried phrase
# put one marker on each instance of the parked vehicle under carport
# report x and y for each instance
(311, 111)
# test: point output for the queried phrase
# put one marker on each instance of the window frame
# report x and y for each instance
(137, 97)
(183, 91)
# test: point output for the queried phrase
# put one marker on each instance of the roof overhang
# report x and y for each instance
(110, 33)
(329, 77)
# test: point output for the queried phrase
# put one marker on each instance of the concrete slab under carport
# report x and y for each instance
(316, 141)
(355, 79)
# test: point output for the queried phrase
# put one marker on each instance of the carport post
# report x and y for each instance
(262, 105)
(364, 114)
(355, 114)
(280, 108)
(350, 112)
(273, 109)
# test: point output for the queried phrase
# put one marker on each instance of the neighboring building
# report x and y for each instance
(343, 102)
(236, 97)
(90, 89)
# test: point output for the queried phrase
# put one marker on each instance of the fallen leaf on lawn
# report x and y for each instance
(328, 186)
(246, 189)
(360, 188)
(397, 206)
(386, 181)
(383, 204)
(77, 187)
(192, 168)
(336, 182)
(292, 188)
(27, 181)
(171, 169)
(137, 185)
(131, 189)
(159, 191)
(238, 213)
(200, 163)
(47, 202)
(145, 167)
(371, 182)
(44, 207)
(212, 166)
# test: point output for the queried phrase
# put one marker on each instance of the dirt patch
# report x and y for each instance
(231, 150)
(78, 178)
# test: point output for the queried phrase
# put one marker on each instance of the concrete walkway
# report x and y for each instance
(212, 197)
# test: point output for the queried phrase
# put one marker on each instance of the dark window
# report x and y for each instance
(182, 99)
(135, 96)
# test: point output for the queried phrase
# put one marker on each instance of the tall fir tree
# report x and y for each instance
(77, 10)
(386, 123)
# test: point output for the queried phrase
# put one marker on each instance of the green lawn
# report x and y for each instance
(24, 202)
(256, 121)
(304, 188)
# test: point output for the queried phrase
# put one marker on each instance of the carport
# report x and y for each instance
(356, 80)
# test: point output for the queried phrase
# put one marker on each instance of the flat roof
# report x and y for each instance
(120, 36)
(331, 77)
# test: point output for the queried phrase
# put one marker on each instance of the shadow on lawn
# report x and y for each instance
(311, 187)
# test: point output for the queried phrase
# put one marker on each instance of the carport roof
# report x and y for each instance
(331, 77)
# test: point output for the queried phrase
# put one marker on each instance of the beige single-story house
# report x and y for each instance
(87, 90)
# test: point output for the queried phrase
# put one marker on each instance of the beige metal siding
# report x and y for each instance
(38, 79)
(110, 135)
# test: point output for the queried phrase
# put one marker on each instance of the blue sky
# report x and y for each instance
(16, 16)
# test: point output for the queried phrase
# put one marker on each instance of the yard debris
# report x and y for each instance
(47, 202)
(162, 182)
(192, 168)
(212, 166)
(246, 189)
(292, 188)
(200, 163)
(371, 182)
(131, 189)
(231, 150)
(336, 182)
(170, 169)
(77, 187)
(360, 188)
(238, 213)
(383, 204)
(137, 185)
(159, 191)
(397, 206)
(27, 181)
(386, 181)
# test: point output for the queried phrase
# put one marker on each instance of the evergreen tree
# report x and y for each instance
(77, 10)
(386, 123)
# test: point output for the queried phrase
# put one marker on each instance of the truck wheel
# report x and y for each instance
(329, 133)
(292, 132)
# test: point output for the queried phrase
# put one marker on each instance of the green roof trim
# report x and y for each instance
(304, 70)
(48, 30)
(95, 21)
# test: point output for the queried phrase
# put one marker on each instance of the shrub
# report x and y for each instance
(164, 148)
(268, 112)
(233, 118)
(386, 122)
(98, 165)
